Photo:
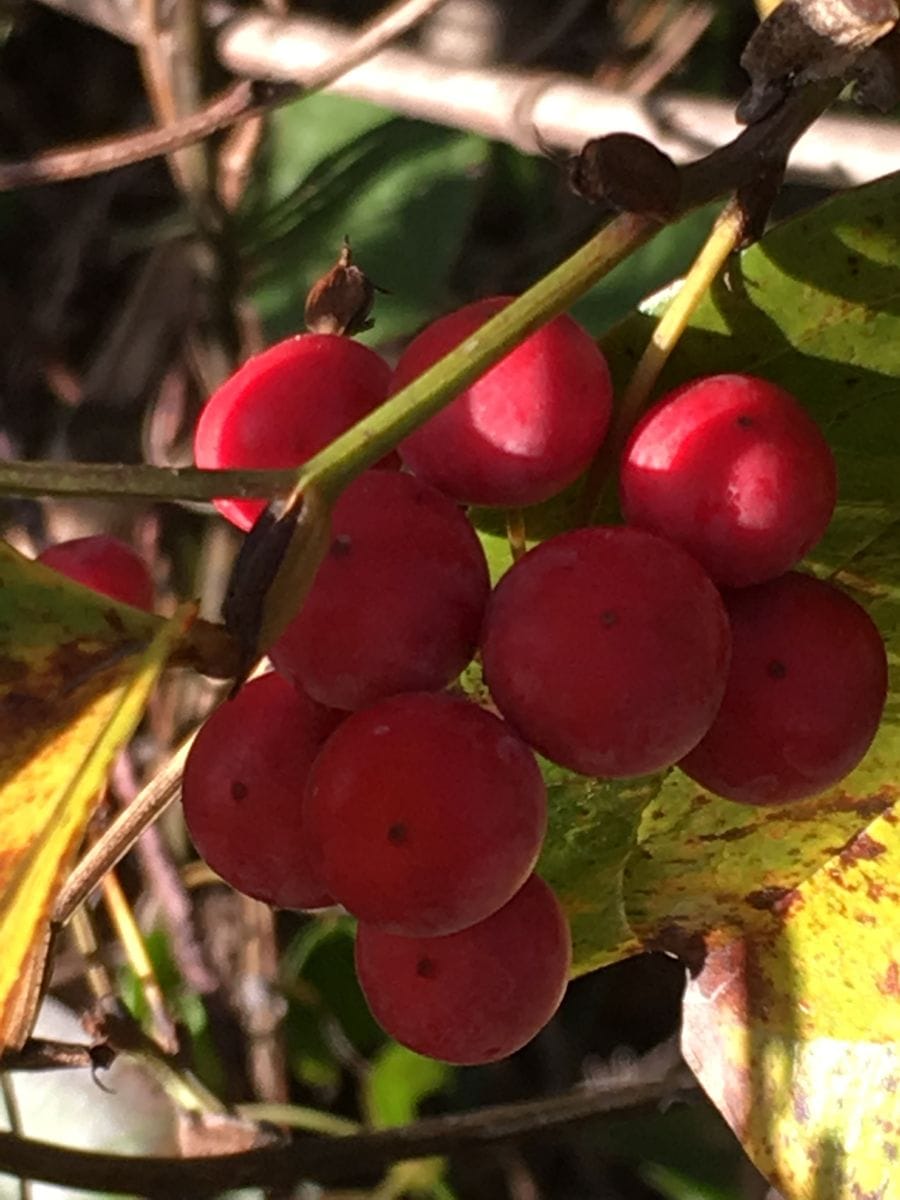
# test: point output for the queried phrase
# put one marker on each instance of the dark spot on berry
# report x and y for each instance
(608, 618)
(776, 669)
(397, 834)
(426, 968)
(341, 546)
(745, 422)
(238, 790)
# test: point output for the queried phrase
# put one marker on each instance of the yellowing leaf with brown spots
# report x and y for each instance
(794, 1030)
(70, 668)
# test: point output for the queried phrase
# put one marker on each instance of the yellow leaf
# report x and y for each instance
(794, 1030)
(72, 689)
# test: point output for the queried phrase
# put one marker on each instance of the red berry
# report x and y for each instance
(284, 405)
(477, 995)
(805, 693)
(396, 605)
(526, 428)
(425, 814)
(736, 472)
(607, 649)
(243, 792)
(104, 564)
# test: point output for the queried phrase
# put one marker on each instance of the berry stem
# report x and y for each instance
(114, 844)
(515, 533)
(724, 238)
(139, 481)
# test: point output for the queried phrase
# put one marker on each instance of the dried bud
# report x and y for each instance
(628, 173)
(340, 302)
(806, 40)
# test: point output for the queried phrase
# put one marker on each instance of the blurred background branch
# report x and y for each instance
(510, 104)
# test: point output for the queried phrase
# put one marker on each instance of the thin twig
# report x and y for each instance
(94, 158)
(673, 45)
(241, 100)
(42, 1054)
(261, 1007)
(156, 71)
(115, 843)
(164, 883)
(330, 1160)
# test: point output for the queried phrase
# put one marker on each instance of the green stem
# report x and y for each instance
(138, 481)
(360, 447)
(295, 1116)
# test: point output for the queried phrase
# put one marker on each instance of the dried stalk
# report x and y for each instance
(328, 1160)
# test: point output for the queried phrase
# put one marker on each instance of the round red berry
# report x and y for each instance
(607, 649)
(284, 405)
(105, 564)
(425, 813)
(474, 996)
(804, 697)
(736, 472)
(243, 792)
(524, 430)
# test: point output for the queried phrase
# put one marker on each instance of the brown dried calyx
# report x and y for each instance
(341, 301)
(806, 40)
(627, 173)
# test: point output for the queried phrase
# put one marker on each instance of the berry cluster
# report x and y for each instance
(683, 637)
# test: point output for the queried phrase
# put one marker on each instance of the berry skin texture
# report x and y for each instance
(526, 428)
(397, 603)
(805, 694)
(243, 792)
(285, 404)
(105, 564)
(734, 470)
(475, 996)
(607, 649)
(425, 814)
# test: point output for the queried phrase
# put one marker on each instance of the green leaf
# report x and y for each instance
(318, 977)
(339, 166)
(397, 1083)
(686, 1152)
(666, 257)
(592, 833)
